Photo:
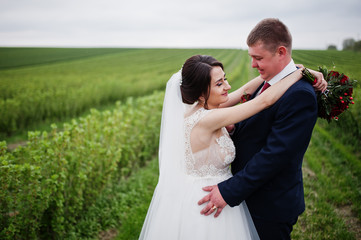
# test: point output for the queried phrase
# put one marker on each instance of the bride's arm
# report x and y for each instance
(225, 116)
(249, 88)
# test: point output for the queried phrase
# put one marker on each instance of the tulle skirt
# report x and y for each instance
(174, 213)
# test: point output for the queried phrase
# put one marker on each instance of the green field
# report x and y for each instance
(94, 176)
(49, 85)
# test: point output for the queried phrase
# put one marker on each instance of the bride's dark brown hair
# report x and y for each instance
(196, 78)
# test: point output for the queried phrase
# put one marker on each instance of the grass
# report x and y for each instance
(143, 186)
(332, 191)
(12, 57)
(122, 209)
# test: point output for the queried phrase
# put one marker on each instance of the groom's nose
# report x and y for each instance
(254, 63)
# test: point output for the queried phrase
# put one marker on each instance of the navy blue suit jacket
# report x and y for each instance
(269, 152)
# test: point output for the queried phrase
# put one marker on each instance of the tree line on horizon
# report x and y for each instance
(349, 44)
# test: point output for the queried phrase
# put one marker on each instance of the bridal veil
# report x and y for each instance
(166, 206)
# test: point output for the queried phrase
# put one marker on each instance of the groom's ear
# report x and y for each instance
(282, 51)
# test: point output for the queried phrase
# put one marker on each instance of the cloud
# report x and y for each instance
(162, 23)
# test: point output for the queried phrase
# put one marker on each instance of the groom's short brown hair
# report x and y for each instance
(272, 33)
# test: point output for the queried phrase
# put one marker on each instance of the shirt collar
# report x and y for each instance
(291, 67)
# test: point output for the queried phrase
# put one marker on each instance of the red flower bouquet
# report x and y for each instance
(336, 99)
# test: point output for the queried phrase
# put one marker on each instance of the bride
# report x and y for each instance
(195, 150)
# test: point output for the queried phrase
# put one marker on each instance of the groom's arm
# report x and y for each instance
(290, 135)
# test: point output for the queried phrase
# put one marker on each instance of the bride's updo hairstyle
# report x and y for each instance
(196, 78)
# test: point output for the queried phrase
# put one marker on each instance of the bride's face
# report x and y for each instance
(219, 88)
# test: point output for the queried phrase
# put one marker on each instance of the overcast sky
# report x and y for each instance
(314, 24)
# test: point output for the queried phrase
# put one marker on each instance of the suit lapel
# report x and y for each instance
(258, 89)
(242, 123)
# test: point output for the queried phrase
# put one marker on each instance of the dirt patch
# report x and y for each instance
(12, 146)
(353, 224)
(308, 172)
(108, 235)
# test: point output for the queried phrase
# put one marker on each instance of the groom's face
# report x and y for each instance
(266, 62)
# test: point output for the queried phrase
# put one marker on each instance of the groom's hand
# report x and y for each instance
(214, 198)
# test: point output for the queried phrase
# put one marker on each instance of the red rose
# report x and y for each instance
(334, 74)
(344, 80)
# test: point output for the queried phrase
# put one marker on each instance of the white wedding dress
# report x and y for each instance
(175, 214)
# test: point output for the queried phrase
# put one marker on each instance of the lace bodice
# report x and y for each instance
(212, 161)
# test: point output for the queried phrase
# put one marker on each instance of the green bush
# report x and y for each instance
(48, 184)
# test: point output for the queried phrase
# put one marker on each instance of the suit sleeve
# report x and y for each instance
(290, 134)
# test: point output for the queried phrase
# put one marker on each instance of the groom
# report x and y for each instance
(270, 145)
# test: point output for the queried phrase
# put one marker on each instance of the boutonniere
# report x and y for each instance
(245, 97)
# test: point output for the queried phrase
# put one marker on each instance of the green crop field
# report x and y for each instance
(93, 176)
(48, 84)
